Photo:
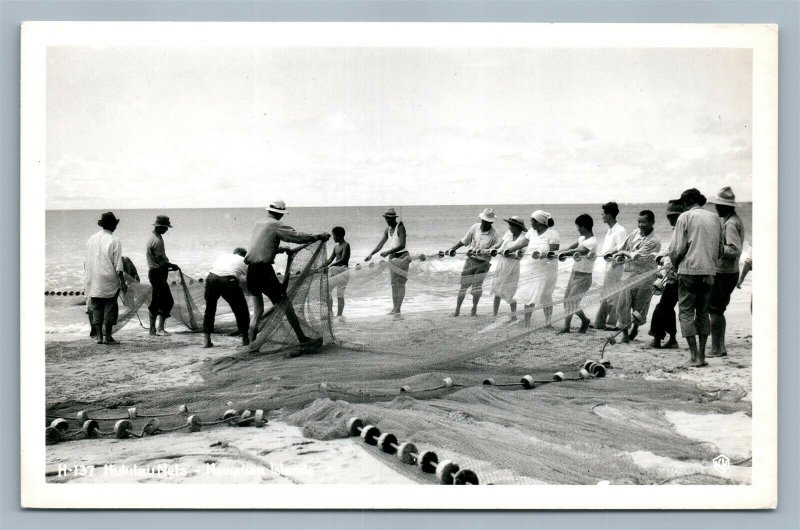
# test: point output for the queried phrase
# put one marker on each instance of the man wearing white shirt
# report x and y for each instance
(104, 278)
(225, 279)
(615, 237)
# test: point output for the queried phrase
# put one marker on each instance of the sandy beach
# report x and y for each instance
(552, 434)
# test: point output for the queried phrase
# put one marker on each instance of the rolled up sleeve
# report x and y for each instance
(290, 235)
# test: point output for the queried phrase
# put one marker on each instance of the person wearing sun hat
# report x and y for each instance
(265, 243)
(159, 266)
(506, 275)
(394, 238)
(480, 236)
(695, 249)
(728, 268)
(663, 319)
(104, 278)
(539, 276)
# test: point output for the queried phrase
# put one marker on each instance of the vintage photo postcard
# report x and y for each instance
(352, 265)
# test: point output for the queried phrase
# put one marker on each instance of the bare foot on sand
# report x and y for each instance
(696, 364)
(111, 341)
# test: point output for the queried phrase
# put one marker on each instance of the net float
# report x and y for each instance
(550, 255)
(82, 416)
(591, 255)
(407, 453)
(465, 477)
(258, 418)
(598, 370)
(405, 388)
(122, 429)
(428, 461)
(387, 442)
(60, 424)
(536, 254)
(183, 409)
(609, 256)
(90, 428)
(354, 426)
(51, 436)
(422, 257)
(584, 374)
(370, 434)
(488, 381)
(230, 416)
(577, 257)
(588, 363)
(527, 382)
(558, 376)
(563, 256)
(151, 427)
(323, 387)
(194, 423)
(132, 413)
(447, 382)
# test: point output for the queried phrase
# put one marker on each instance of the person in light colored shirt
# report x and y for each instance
(225, 279)
(538, 276)
(663, 321)
(695, 249)
(104, 278)
(606, 316)
(261, 279)
(480, 236)
(506, 274)
(638, 247)
(580, 280)
(727, 276)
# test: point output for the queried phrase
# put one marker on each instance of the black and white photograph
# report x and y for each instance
(350, 265)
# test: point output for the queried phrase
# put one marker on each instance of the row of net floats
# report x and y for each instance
(58, 430)
(64, 293)
(446, 471)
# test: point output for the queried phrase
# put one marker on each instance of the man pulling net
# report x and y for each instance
(261, 279)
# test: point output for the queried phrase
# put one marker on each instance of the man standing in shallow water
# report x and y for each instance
(261, 279)
(394, 237)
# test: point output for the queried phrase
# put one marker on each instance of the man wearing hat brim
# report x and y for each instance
(394, 238)
(104, 278)
(159, 266)
(261, 278)
(728, 269)
(506, 275)
(663, 322)
(480, 236)
(695, 250)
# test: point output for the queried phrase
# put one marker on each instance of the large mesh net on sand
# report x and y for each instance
(422, 377)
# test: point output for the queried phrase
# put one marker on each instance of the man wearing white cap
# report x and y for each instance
(728, 268)
(261, 279)
(480, 236)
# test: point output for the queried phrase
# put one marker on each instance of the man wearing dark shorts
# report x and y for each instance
(225, 279)
(480, 236)
(728, 269)
(261, 278)
(158, 271)
(104, 278)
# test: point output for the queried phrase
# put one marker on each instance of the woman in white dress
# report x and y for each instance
(539, 275)
(506, 274)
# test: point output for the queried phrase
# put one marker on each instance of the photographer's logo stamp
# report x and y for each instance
(722, 464)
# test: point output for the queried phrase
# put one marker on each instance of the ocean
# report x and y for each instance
(198, 236)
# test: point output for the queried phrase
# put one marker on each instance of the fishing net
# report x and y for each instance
(423, 375)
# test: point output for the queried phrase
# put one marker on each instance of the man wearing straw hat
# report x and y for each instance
(104, 278)
(158, 270)
(728, 268)
(394, 237)
(480, 236)
(663, 320)
(261, 278)
(695, 249)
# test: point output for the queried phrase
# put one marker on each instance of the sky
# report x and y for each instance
(239, 127)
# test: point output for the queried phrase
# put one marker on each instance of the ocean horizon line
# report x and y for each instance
(476, 205)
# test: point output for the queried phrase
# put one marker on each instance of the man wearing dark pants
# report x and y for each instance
(159, 266)
(104, 278)
(261, 279)
(225, 279)
(695, 249)
(728, 269)
(663, 322)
